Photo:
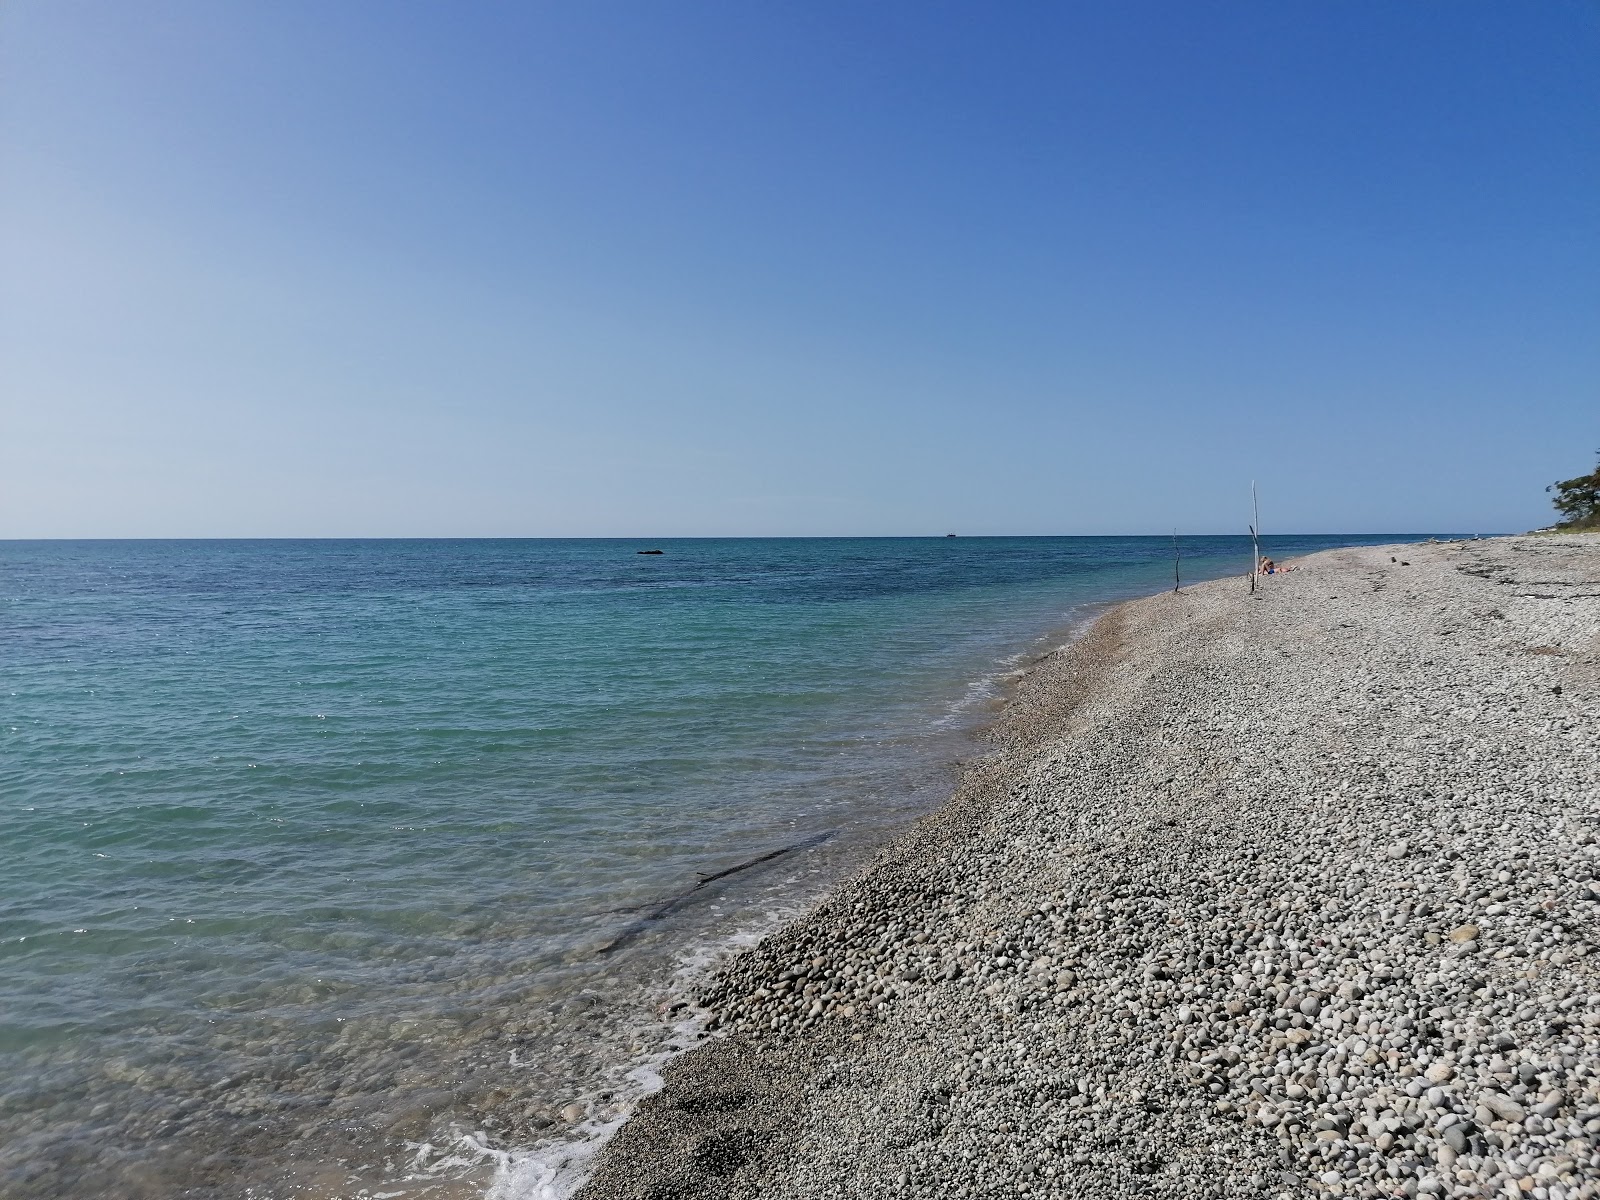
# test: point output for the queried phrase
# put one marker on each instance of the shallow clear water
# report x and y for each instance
(319, 854)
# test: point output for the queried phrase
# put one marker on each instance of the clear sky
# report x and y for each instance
(615, 268)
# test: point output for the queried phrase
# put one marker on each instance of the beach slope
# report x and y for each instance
(1292, 893)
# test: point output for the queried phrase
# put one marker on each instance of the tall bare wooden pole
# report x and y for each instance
(1255, 537)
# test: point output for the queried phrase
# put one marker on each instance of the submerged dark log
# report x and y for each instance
(660, 909)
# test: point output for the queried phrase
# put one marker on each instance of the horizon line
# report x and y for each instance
(715, 537)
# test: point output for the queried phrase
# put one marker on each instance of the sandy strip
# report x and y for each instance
(1286, 895)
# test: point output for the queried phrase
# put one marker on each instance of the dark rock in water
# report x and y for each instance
(651, 551)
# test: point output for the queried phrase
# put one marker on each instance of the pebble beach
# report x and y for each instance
(1284, 893)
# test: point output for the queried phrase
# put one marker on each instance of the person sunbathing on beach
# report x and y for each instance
(1268, 567)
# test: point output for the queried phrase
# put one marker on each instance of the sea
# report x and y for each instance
(386, 868)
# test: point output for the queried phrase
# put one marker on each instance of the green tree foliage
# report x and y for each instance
(1578, 501)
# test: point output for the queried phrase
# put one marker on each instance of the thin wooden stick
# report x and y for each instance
(1255, 538)
(1176, 581)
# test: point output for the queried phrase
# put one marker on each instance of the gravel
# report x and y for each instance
(1292, 894)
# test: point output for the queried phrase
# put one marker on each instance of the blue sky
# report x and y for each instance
(404, 268)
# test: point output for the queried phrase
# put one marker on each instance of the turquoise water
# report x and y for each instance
(319, 852)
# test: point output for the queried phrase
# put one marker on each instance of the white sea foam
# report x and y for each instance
(1009, 669)
(555, 1169)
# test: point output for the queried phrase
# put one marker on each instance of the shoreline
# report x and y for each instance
(479, 1098)
(557, 1168)
(1002, 1002)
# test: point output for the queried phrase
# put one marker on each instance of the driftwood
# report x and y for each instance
(657, 910)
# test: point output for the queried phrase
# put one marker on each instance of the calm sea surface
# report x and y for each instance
(331, 867)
